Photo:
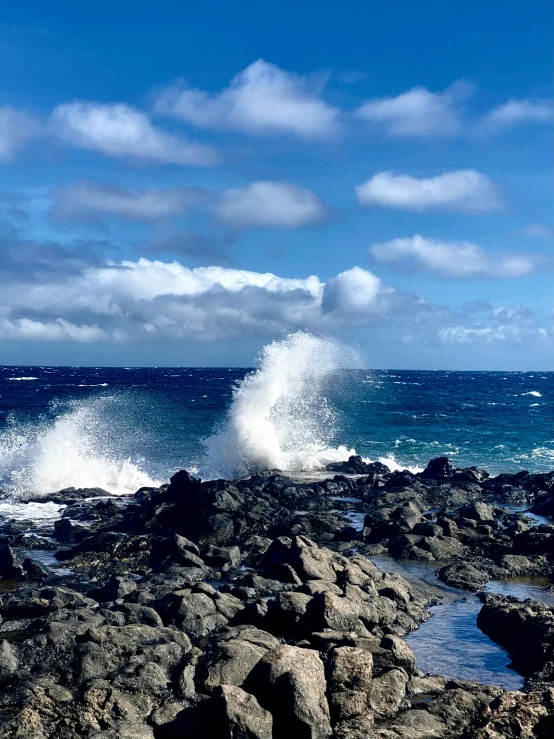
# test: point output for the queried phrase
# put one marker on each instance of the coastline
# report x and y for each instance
(249, 608)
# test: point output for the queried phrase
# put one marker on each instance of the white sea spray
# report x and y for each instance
(280, 416)
(80, 447)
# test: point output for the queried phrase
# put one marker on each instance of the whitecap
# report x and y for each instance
(543, 453)
(534, 393)
(22, 378)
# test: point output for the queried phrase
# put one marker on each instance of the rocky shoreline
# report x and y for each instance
(251, 608)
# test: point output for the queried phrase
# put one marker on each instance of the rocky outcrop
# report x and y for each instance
(525, 629)
(252, 609)
(515, 714)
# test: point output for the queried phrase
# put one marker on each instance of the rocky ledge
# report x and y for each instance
(251, 609)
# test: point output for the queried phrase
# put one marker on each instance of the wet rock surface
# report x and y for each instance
(252, 608)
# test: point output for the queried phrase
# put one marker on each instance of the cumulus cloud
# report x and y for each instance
(452, 259)
(87, 201)
(151, 299)
(418, 112)
(122, 131)
(262, 100)
(257, 205)
(154, 300)
(517, 112)
(16, 128)
(465, 190)
(269, 204)
(355, 291)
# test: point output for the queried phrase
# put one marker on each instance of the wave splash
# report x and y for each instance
(279, 417)
(81, 447)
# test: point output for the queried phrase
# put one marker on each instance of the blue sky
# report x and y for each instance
(180, 185)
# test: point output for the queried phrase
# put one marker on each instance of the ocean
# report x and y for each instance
(120, 428)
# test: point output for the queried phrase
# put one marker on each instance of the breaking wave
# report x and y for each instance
(280, 416)
(81, 447)
(393, 464)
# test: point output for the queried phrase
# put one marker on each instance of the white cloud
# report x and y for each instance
(269, 204)
(464, 190)
(507, 324)
(16, 128)
(515, 315)
(452, 259)
(491, 334)
(418, 112)
(85, 201)
(535, 229)
(263, 100)
(26, 329)
(354, 291)
(256, 205)
(122, 131)
(148, 300)
(515, 112)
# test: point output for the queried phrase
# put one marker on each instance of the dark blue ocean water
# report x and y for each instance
(123, 427)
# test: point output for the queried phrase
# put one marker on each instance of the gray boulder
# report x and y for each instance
(387, 693)
(351, 671)
(478, 511)
(229, 663)
(236, 714)
(290, 682)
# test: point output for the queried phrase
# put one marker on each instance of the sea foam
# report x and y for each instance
(280, 416)
(393, 465)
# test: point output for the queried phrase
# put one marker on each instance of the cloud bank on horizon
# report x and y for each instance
(149, 300)
(275, 198)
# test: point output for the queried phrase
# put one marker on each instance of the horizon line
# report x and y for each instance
(242, 367)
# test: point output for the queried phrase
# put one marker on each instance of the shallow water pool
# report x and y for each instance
(450, 643)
